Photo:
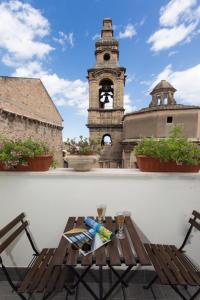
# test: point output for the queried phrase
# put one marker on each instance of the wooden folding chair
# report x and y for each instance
(172, 265)
(41, 275)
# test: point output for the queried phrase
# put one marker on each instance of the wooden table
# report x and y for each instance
(128, 252)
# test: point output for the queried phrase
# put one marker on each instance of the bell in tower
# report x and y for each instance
(106, 96)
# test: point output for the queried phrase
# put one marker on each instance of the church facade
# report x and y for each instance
(119, 132)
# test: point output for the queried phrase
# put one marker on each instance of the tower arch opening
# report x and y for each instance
(106, 140)
(106, 94)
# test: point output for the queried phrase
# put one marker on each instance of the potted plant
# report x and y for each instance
(172, 154)
(11, 155)
(25, 155)
(37, 155)
(83, 153)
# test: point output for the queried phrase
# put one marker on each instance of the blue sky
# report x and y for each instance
(54, 40)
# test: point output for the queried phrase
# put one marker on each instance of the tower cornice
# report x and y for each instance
(105, 126)
(106, 110)
(101, 70)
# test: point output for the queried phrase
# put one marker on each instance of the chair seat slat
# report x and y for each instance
(157, 265)
(171, 265)
(58, 258)
(41, 270)
(189, 267)
(179, 264)
(27, 280)
(172, 279)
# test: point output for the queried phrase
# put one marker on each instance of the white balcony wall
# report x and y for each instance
(161, 204)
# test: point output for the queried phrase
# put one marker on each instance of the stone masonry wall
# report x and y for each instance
(17, 127)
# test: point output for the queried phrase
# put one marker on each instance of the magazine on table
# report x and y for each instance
(90, 238)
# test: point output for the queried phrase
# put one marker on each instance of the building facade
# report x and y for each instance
(158, 119)
(26, 110)
(119, 132)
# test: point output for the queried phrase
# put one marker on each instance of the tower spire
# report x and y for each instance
(107, 30)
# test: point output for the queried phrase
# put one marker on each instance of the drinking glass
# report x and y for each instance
(100, 211)
(120, 223)
(104, 210)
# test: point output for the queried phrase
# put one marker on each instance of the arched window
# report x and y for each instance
(106, 94)
(106, 140)
(165, 99)
(158, 100)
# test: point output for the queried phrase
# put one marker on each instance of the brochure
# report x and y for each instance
(88, 239)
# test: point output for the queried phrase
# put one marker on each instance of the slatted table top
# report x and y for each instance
(129, 251)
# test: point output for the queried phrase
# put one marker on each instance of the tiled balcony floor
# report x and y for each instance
(133, 292)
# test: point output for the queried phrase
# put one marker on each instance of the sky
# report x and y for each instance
(55, 41)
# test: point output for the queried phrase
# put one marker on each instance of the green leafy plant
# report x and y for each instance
(82, 146)
(34, 148)
(174, 148)
(14, 152)
(11, 152)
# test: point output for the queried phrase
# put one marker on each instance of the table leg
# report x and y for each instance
(80, 278)
(100, 283)
(117, 275)
(101, 296)
(120, 279)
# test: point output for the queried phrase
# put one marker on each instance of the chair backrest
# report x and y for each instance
(9, 233)
(195, 222)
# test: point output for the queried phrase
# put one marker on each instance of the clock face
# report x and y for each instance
(106, 56)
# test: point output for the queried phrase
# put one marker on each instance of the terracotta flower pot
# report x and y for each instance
(150, 164)
(81, 163)
(6, 168)
(39, 163)
(2, 166)
(21, 168)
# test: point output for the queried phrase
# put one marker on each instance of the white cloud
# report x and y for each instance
(171, 14)
(128, 104)
(167, 37)
(141, 23)
(65, 39)
(185, 81)
(63, 92)
(172, 53)
(179, 21)
(32, 69)
(96, 36)
(145, 82)
(22, 29)
(129, 32)
(130, 78)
